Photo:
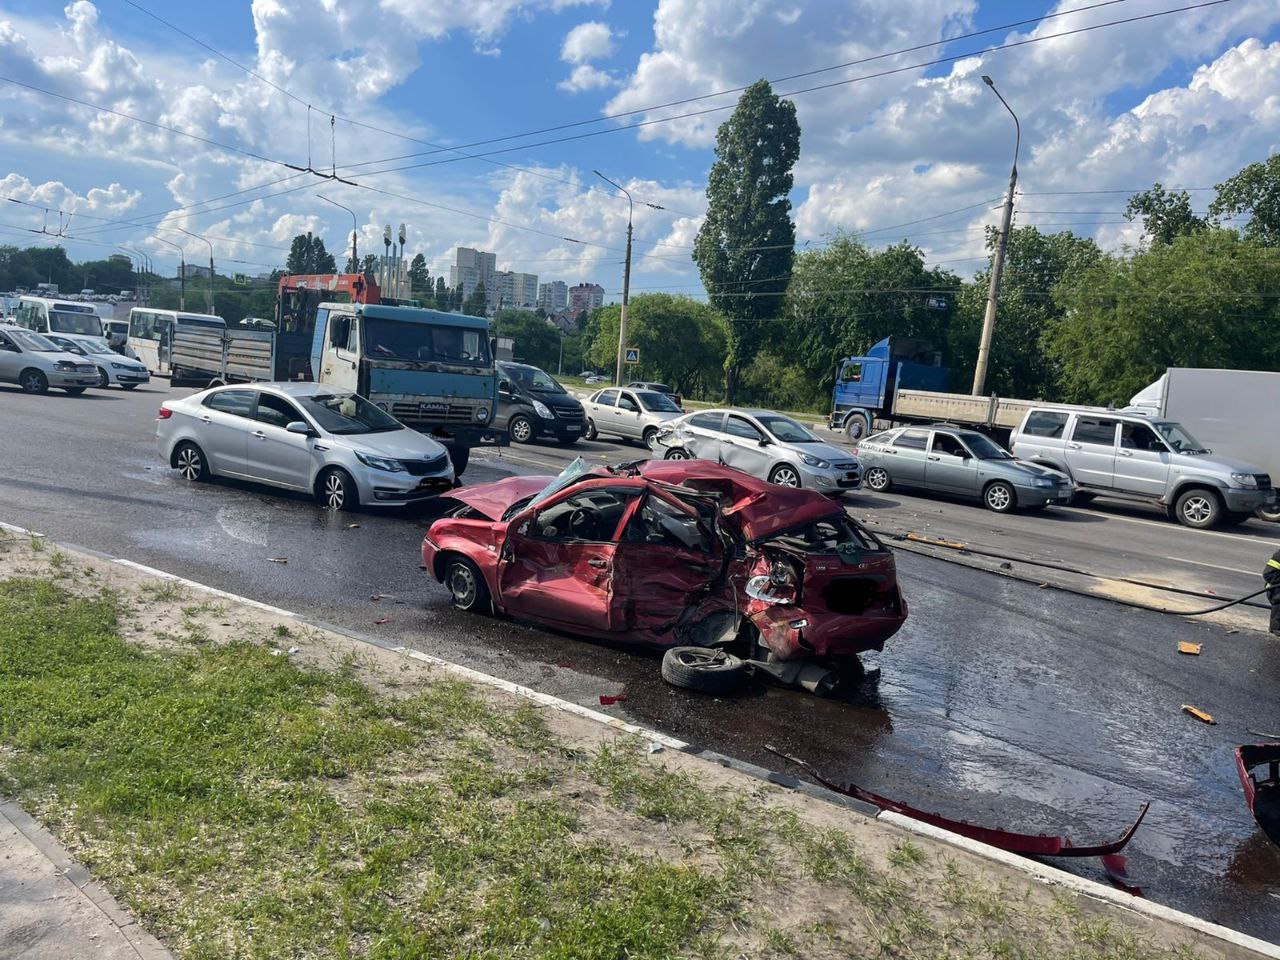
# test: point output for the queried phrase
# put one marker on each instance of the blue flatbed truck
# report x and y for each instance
(902, 380)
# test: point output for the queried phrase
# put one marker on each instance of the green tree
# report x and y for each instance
(307, 255)
(369, 264)
(536, 341)
(843, 299)
(746, 245)
(442, 295)
(475, 305)
(1164, 213)
(682, 342)
(1035, 264)
(419, 276)
(351, 265)
(1255, 191)
(455, 299)
(1205, 300)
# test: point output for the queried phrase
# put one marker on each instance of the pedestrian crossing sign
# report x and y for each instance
(241, 279)
(632, 355)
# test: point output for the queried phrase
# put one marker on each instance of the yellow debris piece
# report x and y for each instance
(1198, 713)
(1191, 648)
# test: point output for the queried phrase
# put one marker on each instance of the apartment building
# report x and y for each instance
(585, 296)
(472, 267)
(553, 296)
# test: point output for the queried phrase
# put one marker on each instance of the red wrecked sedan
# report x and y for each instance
(686, 554)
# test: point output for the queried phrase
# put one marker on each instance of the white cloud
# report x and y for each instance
(587, 41)
(586, 77)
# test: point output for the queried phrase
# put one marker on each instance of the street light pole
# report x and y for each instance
(355, 259)
(182, 272)
(997, 262)
(198, 237)
(626, 280)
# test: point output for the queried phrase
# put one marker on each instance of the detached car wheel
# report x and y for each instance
(877, 479)
(33, 381)
(703, 669)
(521, 429)
(336, 490)
(466, 586)
(999, 497)
(1199, 509)
(1271, 514)
(677, 453)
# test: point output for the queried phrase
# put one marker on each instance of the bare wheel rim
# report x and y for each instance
(677, 455)
(786, 477)
(998, 497)
(521, 430)
(877, 478)
(1197, 509)
(189, 463)
(462, 585)
(648, 437)
(335, 491)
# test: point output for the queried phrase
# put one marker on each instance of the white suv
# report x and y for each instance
(1137, 457)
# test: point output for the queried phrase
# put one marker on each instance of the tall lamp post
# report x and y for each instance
(142, 296)
(182, 271)
(997, 262)
(355, 259)
(626, 279)
(203, 240)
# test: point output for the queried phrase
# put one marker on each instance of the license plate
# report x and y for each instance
(572, 429)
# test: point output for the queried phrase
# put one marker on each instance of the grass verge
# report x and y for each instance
(246, 805)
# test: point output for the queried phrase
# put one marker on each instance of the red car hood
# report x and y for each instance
(761, 509)
(493, 499)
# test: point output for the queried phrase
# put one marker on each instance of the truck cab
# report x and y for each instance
(432, 371)
(865, 385)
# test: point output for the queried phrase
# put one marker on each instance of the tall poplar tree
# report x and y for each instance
(747, 242)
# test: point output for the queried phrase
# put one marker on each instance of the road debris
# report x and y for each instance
(375, 597)
(655, 747)
(352, 526)
(381, 620)
(1198, 714)
(608, 700)
(1193, 649)
(277, 559)
(1025, 844)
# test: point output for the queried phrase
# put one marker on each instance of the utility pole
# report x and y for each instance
(355, 258)
(626, 281)
(997, 261)
(202, 239)
(182, 272)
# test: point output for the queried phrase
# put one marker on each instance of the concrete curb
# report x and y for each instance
(1036, 870)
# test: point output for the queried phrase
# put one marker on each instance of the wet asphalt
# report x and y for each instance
(1000, 702)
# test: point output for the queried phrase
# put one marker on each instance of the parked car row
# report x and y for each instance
(36, 362)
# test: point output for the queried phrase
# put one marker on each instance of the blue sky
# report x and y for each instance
(1181, 98)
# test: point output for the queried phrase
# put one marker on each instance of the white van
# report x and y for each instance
(47, 315)
(151, 334)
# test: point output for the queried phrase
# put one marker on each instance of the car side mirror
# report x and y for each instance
(297, 426)
(493, 346)
(504, 386)
(765, 441)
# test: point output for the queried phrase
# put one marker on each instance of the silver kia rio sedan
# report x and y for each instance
(765, 444)
(309, 437)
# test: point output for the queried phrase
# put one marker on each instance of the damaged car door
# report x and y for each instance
(557, 562)
(666, 564)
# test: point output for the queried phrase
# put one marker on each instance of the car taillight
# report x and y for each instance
(855, 449)
(165, 413)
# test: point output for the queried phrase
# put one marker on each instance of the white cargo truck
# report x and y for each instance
(1235, 413)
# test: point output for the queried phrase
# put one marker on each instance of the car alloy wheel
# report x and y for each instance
(649, 436)
(785, 477)
(591, 430)
(999, 497)
(877, 479)
(677, 454)
(337, 491)
(1198, 508)
(33, 381)
(190, 463)
(521, 429)
(104, 380)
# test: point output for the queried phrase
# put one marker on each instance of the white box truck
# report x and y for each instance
(1235, 413)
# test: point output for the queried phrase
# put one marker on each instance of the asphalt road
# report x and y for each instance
(999, 702)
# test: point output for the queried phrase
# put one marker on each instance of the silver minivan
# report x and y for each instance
(630, 414)
(1137, 457)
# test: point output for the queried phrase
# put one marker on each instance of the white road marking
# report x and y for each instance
(1174, 525)
(1215, 566)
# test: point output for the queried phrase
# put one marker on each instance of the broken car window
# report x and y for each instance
(659, 523)
(829, 536)
(590, 516)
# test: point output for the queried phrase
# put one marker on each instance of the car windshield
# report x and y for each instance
(786, 430)
(347, 413)
(424, 343)
(533, 379)
(1176, 435)
(64, 321)
(34, 342)
(91, 345)
(658, 402)
(566, 476)
(984, 448)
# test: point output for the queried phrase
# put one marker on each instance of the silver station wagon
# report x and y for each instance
(959, 462)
